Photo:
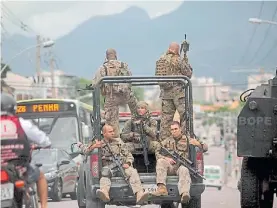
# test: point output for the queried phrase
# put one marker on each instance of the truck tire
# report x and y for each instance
(168, 205)
(80, 194)
(194, 202)
(251, 190)
(90, 203)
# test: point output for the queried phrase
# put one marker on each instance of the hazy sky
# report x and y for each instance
(54, 19)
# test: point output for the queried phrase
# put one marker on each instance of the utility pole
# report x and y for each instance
(52, 74)
(38, 58)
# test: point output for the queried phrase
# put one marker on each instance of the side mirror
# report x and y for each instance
(91, 119)
(85, 130)
(64, 162)
(75, 149)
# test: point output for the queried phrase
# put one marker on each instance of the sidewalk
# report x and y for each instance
(233, 181)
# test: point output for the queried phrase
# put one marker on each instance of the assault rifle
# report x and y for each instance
(116, 159)
(184, 46)
(144, 144)
(181, 160)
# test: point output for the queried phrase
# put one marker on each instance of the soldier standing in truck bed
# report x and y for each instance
(118, 147)
(117, 93)
(172, 93)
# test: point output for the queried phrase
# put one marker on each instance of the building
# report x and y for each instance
(21, 87)
(64, 85)
(255, 80)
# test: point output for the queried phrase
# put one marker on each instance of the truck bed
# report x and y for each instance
(121, 194)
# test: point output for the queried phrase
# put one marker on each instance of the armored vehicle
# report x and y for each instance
(120, 192)
(257, 144)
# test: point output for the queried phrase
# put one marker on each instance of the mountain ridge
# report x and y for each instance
(217, 37)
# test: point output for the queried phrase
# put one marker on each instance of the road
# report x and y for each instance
(211, 198)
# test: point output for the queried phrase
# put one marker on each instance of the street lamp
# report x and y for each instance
(259, 21)
(45, 44)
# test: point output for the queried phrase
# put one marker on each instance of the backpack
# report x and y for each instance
(116, 68)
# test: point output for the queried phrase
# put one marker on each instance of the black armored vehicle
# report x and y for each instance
(120, 193)
(257, 144)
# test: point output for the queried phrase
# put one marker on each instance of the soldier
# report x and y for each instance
(172, 94)
(117, 93)
(131, 132)
(119, 148)
(166, 165)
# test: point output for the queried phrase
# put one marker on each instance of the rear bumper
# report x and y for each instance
(6, 203)
(122, 194)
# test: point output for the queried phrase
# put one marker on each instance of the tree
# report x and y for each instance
(4, 73)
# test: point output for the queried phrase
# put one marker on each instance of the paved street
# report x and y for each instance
(212, 198)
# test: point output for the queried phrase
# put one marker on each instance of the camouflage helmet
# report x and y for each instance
(111, 54)
(174, 48)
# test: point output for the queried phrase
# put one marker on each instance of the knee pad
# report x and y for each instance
(106, 172)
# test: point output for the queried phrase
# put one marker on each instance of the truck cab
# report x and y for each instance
(120, 193)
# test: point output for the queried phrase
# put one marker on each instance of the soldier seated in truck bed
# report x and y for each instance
(140, 129)
(121, 194)
(118, 148)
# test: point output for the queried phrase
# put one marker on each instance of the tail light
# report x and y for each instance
(94, 165)
(199, 162)
(4, 176)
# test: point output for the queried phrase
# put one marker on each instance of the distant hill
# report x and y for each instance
(218, 33)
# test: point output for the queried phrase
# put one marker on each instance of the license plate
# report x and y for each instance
(150, 188)
(7, 191)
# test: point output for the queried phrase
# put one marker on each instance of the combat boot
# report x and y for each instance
(185, 197)
(141, 197)
(103, 195)
(161, 191)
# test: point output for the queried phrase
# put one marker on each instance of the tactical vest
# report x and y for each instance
(167, 65)
(15, 147)
(116, 68)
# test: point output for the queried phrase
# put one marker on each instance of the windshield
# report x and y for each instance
(44, 156)
(212, 171)
(62, 131)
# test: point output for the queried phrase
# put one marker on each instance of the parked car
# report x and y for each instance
(60, 171)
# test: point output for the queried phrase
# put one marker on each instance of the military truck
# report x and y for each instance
(257, 144)
(120, 192)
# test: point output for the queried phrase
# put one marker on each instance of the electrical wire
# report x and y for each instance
(253, 34)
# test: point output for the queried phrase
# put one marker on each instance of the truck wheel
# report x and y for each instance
(90, 203)
(80, 194)
(168, 205)
(193, 203)
(251, 189)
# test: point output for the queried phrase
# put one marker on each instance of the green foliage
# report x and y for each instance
(139, 93)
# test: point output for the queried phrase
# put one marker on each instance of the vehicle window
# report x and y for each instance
(63, 156)
(44, 156)
(212, 171)
(62, 131)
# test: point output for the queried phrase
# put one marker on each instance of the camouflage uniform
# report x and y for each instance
(118, 147)
(163, 167)
(172, 94)
(131, 132)
(114, 99)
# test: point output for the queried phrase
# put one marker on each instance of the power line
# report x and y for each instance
(266, 34)
(253, 34)
(270, 51)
